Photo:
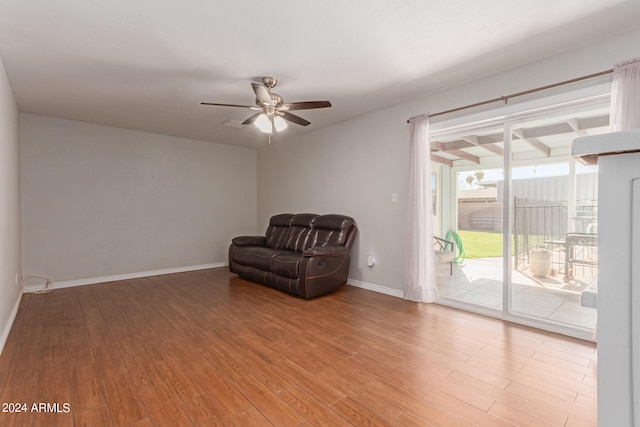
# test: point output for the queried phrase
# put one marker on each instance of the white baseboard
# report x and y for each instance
(114, 278)
(126, 276)
(7, 327)
(376, 288)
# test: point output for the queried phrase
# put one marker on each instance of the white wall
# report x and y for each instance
(354, 167)
(100, 201)
(9, 208)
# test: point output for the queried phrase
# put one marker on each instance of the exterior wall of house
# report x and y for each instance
(102, 201)
(9, 208)
(353, 167)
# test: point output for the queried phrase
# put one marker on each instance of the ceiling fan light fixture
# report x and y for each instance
(279, 123)
(264, 124)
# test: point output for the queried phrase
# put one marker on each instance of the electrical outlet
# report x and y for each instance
(371, 261)
(394, 197)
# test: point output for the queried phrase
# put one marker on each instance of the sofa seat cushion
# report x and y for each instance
(277, 261)
(259, 257)
(287, 264)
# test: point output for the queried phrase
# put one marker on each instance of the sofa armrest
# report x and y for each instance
(250, 241)
(326, 251)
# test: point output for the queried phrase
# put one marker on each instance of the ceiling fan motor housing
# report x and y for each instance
(276, 100)
(269, 81)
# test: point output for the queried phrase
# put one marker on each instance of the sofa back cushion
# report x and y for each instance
(303, 231)
(332, 230)
(277, 233)
(300, 235)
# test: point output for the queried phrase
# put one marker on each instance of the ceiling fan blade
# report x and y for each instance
(262, 93)
(295, 119)
(307, 105)
(226, 105)
(251, 119)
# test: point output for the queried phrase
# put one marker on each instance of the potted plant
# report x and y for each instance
(540, 261)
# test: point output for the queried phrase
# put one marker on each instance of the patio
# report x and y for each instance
(479, 281)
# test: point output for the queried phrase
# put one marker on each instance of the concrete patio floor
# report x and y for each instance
(479, 281)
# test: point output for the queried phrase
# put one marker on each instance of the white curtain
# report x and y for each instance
(625, 96)
(420, 263)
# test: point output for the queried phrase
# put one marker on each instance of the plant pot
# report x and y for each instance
(540, 263)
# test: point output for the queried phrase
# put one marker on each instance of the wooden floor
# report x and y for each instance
(206, 348)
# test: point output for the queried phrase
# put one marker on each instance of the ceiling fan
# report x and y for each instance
(272, 112)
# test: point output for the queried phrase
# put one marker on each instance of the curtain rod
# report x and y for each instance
(525, 92)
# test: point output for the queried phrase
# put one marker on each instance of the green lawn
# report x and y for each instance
(481, 244)
(487, 244)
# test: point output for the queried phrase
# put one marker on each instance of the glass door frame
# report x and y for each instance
(508, 122)
(507, 222)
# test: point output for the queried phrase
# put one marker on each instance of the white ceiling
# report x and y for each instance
(147, 64)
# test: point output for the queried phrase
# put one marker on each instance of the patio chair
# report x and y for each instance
(445, 252)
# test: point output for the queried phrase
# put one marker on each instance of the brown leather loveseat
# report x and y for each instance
(305, 254)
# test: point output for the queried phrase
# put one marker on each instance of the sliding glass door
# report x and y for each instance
(524, 218)
(554, 210)
(477, 278)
